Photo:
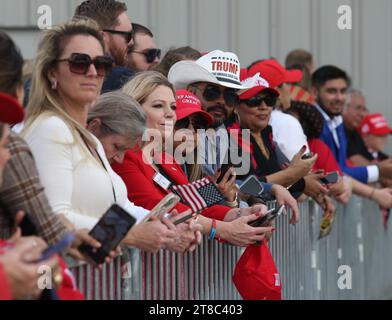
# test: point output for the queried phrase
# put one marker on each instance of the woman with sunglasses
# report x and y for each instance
(142, 170)
(190, 119)
(78, 179)
(254, 113)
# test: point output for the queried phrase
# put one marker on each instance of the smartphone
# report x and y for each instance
(109, 231)
(223, 170)
(27, 226)
(252, 186)
(307, 156)
(164, 206)
(60, 246)
(271, 215)
(330, 178)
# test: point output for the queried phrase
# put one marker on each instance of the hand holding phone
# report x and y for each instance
(270, 215)
(59, 247)
(223, 170)
(164, 206)
(109, 231)
(307, 156)
(330, 178)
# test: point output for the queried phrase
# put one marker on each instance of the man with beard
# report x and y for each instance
(112, 18)
(215, 80)
(329, 87)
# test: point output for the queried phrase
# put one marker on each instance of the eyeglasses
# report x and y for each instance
(198, 123)
(128, 35)
(212, 93)
(150, 54)
(80, 63)
(256, 101)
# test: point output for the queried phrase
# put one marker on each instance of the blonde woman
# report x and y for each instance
(139, 168)
(69, 71)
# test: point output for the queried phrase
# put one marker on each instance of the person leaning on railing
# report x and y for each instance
(157, 98)
(67, 79)
(119, 122)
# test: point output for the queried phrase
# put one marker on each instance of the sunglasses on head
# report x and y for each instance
(212, 93)
(80, 63)
(256, 101)
(150, 54)
(128, 35)
(198, 123)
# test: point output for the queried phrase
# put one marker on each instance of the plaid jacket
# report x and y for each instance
(22, 190)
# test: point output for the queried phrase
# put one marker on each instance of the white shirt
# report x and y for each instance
(332, 124)
(76, 183)
(288, 133)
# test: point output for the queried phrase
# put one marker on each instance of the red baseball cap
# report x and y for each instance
(188, 104)
(260, 84)
(275, 73)
(375, 124)
(11, 111)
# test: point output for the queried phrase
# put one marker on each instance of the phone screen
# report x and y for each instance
(252, 186)
(331, 177)
(165, 205)
(109, 231)
(270, 215)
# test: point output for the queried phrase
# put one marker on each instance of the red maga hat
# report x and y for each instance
(275, 73)
(375, 124)
(188, 104)
(260, 85)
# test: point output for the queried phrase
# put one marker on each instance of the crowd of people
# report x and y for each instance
(107, 121)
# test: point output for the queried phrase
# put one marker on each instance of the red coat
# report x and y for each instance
(143, 191)
(325, 159)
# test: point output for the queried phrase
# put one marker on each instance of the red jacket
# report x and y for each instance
(325, 159)
(5, 289)
(143, 191)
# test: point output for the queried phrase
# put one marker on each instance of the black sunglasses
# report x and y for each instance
(80, 63)
(256, 101)
(128, 35)
(198, 123)
(150, 54)
(212, 93)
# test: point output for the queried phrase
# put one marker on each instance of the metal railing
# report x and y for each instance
(359, 247)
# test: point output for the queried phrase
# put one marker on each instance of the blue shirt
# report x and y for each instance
(334, 136)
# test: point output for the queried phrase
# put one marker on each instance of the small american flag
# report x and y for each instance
(199, 195)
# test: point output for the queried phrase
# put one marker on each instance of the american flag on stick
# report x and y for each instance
(199, 195)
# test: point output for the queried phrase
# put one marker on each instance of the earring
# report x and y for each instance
(54, 84)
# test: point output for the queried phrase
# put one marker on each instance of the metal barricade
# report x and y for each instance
(352, 262)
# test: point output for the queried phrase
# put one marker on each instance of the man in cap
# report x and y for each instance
(375, 131)
(215, 80)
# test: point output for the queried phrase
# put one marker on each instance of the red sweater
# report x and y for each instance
(143, 191)
(325, 159)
